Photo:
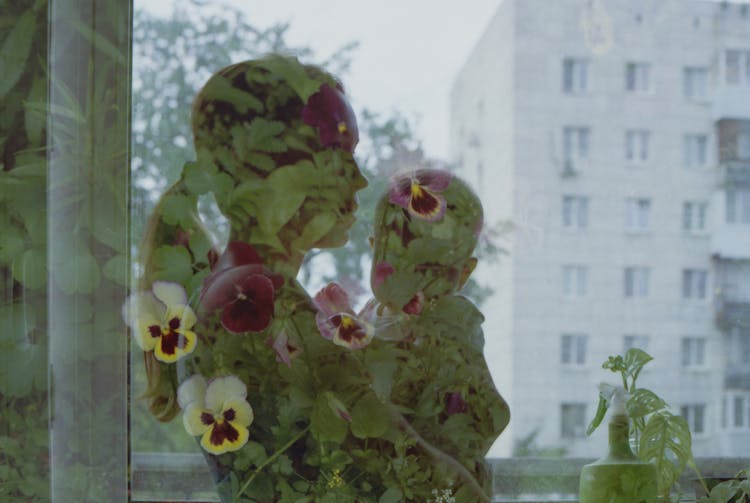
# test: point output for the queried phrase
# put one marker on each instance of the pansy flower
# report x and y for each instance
(161, 321)
(419, 193)
(217, 411)
(455, 404)
(330, 112)
(242, 288)
(336, 320)
(381, 272)
(415, 305)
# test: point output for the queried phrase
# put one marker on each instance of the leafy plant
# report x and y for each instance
(734, 490)
(659, 436)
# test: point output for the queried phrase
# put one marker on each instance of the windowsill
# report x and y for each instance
(635, 164)
(697, 369)
(698, 234)
(703, 101)
(572, 367)
(637, 232)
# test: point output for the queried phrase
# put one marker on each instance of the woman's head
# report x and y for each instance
(278, 137)
(426, 228)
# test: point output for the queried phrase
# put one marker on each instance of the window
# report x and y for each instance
(572, 420)
(735, 413)
(694, 352)
(743, 145)
(573, 349)
(694, 216)
(636, 281)
(634, 341)
(695, 415)
(695, 83)
(637, 145)
(575, 280)
(738, 206)
(575, 146)
(575, 75)
(695, 150)
(636, 214)
(638, 77)
(694, 284)
(575, 212)
(737, 67)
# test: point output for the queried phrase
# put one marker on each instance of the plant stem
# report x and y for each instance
(268, 461)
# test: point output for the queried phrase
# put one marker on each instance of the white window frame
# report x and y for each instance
(636, 281)
(695, 83)
(694, 285)
(638, 77)
(695, 150)
(576, 147)
(637, 214)
(737, 74)
(737, 206)
(575, 212)
(574, 349)
(695, 217)
(691, 412)
(694, 353)
(575, 75)
(637, 146)
(575, 279)
(735, 411)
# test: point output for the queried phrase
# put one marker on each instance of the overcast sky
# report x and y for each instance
(410, 50)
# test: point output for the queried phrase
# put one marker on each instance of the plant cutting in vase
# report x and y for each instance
(657, 435)
(294, 398)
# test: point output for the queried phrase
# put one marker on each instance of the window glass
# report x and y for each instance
(638, 77)
(695, 148)
(575, 75)
(695, 83)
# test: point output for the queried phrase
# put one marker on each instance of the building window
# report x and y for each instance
(738, 206)
(694, 352)
(638, 77)
(743, 145)
(575, 212)
(637, 145)
(636, 214)
(695, 83)
(694, 284)
(575, 75)
(694, 216)
(575, 146)
(695, 150)
(695, 415)
(572, 420)
(634, 341)
(737, 67)
(636, 281)
(575, 280)
(573, 349)
(735, 413)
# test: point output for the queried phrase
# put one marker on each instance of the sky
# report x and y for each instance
(409, 55)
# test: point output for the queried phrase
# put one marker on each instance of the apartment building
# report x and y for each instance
(615, 136)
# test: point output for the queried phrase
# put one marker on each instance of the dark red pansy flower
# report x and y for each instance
(419, 193)
(330, 112)
(336, 320)
(382, 271)
(455, 404)
(242, 288)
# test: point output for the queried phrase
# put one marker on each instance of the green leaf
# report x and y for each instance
(179, 210)
(634, 361)
(262, 136)
(644, 402)
(325, 424)
(30, 268)
(221, 89)
(173, 263)
(15, 51)
(601, 411)
(288, 187)
(78, 274)
(315, 229)
(369, 418)
(117, 270)
(199, 177)
(666, 442)
(382, 364)
(294, 74)
(11, 242)
(34, 120)
(392, 495)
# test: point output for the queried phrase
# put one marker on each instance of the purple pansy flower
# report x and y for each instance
(336, 320)
(455, 404)
(330, 112)
(242, 288)
(419, 193)
(285, 349)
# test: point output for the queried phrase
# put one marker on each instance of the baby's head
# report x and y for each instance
(426, 228)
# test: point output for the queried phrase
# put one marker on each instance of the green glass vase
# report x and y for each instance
(619, 477)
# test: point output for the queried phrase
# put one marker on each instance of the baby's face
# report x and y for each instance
(424, 238)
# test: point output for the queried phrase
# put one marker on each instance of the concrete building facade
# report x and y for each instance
(615, 137)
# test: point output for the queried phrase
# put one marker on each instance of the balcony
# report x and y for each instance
(733, 309)
(731, 102)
